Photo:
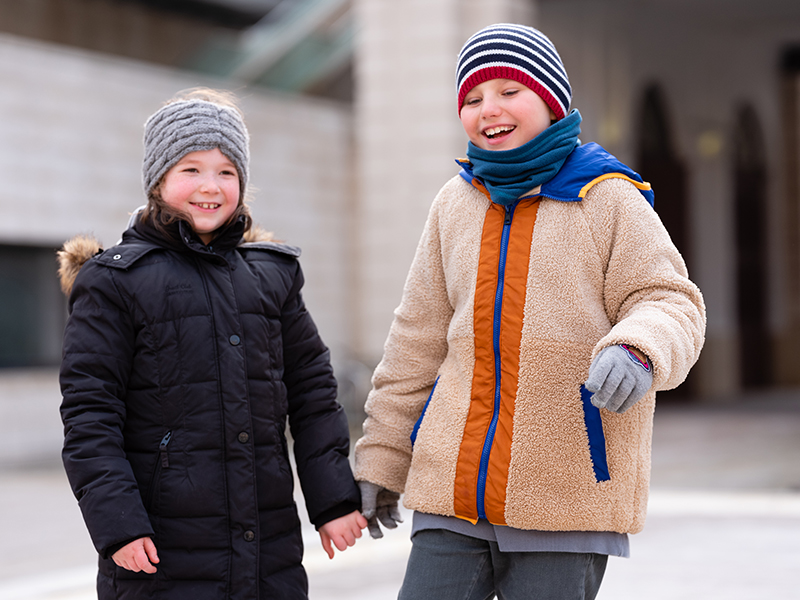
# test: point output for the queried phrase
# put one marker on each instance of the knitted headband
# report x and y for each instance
(517, 52)
(187, 126)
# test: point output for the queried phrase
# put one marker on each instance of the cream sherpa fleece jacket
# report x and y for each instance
(602, 271)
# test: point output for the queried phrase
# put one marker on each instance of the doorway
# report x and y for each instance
(659, 163)
(750, 196)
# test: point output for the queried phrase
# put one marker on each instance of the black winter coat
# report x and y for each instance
(181, 365)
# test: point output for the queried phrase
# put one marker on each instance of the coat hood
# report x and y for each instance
(76, 251)
(72, 256)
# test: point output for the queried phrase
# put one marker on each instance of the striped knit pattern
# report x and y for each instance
(524, 54)
(191, 126)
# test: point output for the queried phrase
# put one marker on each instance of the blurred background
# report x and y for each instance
(352, 113)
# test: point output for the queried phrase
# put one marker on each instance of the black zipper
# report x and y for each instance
(162, 449)
(161, 463)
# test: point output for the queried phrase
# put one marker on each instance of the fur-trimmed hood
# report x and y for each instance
(72, 256)
(76, 251)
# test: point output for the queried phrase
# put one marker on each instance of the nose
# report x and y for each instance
(490, 107)
(210, 184)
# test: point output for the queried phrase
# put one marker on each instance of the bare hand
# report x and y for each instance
(342, 532)
(139, 555)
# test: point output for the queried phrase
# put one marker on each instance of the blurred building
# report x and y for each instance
(700, 96)
(351, 107)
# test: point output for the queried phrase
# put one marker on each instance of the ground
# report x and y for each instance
(723, 520)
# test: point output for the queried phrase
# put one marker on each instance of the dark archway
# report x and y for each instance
(659, 163)
(786, 340)
(750, 198)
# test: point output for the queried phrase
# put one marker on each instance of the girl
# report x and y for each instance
(185, 351)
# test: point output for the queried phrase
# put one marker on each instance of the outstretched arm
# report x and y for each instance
(414, 350)
(650, 301)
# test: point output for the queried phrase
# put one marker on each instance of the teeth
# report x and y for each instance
(493, 131)
(207, 206)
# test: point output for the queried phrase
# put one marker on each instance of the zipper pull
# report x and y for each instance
(509, 212)
(163, 450)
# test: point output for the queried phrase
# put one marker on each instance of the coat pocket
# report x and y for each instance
(162, 462)
(414, 431)
(597, 437)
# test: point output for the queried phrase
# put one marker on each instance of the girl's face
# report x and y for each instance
(502, 114)
(204, 185)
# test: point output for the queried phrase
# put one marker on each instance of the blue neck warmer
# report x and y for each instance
(508, 174)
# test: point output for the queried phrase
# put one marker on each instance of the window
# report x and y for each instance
(32, 307)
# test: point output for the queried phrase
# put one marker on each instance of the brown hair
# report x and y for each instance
(159, 214)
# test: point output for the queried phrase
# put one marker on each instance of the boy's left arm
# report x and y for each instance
(653, 306)
(341, 532)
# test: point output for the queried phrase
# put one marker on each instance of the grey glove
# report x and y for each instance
(379, 504)
(618, 379)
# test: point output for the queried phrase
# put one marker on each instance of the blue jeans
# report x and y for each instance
(450, 566)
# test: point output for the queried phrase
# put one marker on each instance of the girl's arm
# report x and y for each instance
(318, 423)
(97, 357)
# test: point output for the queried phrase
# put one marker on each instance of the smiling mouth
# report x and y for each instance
(494, 132)
(207, 205)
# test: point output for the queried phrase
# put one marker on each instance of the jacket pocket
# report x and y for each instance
(597, 437)
(414, 431)
(162, 462)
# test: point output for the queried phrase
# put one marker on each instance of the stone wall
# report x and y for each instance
(70, 162)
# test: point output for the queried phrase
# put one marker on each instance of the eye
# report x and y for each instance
(472, 101)
(510, 92)
(190, 170)
(229, 172)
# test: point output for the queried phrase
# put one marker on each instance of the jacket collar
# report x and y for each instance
(588, 165)
(181, 238)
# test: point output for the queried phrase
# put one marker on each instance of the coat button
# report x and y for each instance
(249, 536)
(117, 256)
(244, 437)
(235, 340)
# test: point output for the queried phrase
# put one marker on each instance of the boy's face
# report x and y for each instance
(205, 186)
(502, 114)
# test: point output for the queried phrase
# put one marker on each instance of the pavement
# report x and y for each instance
(723, 519)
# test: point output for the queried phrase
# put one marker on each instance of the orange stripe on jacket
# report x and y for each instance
(484, 377)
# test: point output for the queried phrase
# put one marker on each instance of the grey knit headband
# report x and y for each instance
(190, 126)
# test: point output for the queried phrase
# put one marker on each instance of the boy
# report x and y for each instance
(545, 306)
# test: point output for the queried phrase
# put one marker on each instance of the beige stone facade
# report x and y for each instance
(713, 65)
(71, 164)
(351, 183)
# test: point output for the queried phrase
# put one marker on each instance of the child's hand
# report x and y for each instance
(379, 504)
(342, 532)
(139, 555)
(619, 377)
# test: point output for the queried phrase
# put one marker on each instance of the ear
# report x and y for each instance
(552, 116)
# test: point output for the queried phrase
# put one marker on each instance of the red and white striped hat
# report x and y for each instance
(518, 52)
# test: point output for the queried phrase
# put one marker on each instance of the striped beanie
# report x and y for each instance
(517, 52)
(193, 125)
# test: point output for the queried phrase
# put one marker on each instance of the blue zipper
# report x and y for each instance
(498, 309)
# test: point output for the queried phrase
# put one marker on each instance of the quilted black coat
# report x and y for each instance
(181, 365)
